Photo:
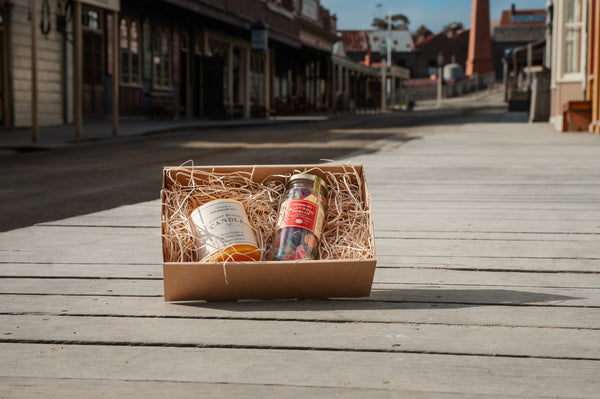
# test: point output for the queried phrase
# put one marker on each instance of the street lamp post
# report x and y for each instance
(440, 63)
(389, 39)
(388, 43)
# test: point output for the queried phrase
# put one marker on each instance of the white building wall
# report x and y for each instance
(564, 86)
(50, 98)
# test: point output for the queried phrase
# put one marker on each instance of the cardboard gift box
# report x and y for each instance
(303, 279)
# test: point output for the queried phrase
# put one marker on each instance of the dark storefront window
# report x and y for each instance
(3, 61)
(94, 67)
(161, 58)
(257, 82)
(237, 93)
(129, 43)
(283, 80)
(90, 19)
(220, 51)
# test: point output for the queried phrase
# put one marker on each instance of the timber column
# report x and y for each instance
(78, 49)
(479, 59)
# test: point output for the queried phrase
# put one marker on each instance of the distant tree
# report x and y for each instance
(421, 33)
(452, 28)
(399, 21)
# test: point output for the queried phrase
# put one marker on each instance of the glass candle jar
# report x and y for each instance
(301, 216)
(223, 232)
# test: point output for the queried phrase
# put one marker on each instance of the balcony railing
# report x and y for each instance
(280, 15)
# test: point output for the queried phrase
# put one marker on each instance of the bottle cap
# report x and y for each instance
(318, 183)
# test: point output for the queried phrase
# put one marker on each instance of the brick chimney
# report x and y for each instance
(479, 59)
(368, 58)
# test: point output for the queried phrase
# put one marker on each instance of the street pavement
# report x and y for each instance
(487, 285)
(18, 140)
(21, 139)
(61, 177)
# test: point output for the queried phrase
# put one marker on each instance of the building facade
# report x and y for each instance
(66, 61)
(453, 48)
(515, 29)
(593, 66)
(569, 59)
(16, 64)
(370, 47)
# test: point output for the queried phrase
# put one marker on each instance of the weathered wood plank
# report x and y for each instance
(474, 294)
(68, 244)
(79, 270)
(50, 388)
(556, 343)
(460, 263)
(141, 271)
(521, 249)
(383, 274)
(382, 201)
(133, 246)
(351, 310)
(521, 377)
(488, 236)
(501, 263)
(452, 222)
(439, 210)
(144, 214)
(436, 293)
(520, 187)
(475, 197)
(80, 286)
(148, 215)
(489, 279)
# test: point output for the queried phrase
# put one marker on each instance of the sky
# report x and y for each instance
(434, 14)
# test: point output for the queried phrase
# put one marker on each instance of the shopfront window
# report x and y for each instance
(3, 65)
(257, 82)
(573, 24)
(282, 79)
(198, 44)
(134, 49)
(161, 59)
(237, 87)
(220, 51)
(129, 44)
(92, 19)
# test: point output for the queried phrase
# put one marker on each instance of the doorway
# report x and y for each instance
(94, 96)
(213, 85)
(184, 55)
(4, 101)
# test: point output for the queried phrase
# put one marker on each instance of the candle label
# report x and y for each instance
(221, 224)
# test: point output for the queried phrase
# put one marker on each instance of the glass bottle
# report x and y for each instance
(301, 216)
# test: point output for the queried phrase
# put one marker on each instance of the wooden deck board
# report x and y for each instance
(52, 388)
(395, 292)
(464, 263)
(558, 343)
(488, 286)
(338, 311)
(517, 376)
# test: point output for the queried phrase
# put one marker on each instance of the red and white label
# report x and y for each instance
(304, 214)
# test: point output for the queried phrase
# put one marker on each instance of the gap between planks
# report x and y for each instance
(285, 348)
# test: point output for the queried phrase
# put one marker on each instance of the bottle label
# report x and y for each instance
(221, 224)
(302, 213)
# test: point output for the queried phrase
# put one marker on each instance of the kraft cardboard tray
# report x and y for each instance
(311, 279)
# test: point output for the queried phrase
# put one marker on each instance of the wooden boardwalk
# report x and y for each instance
(487, 286)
